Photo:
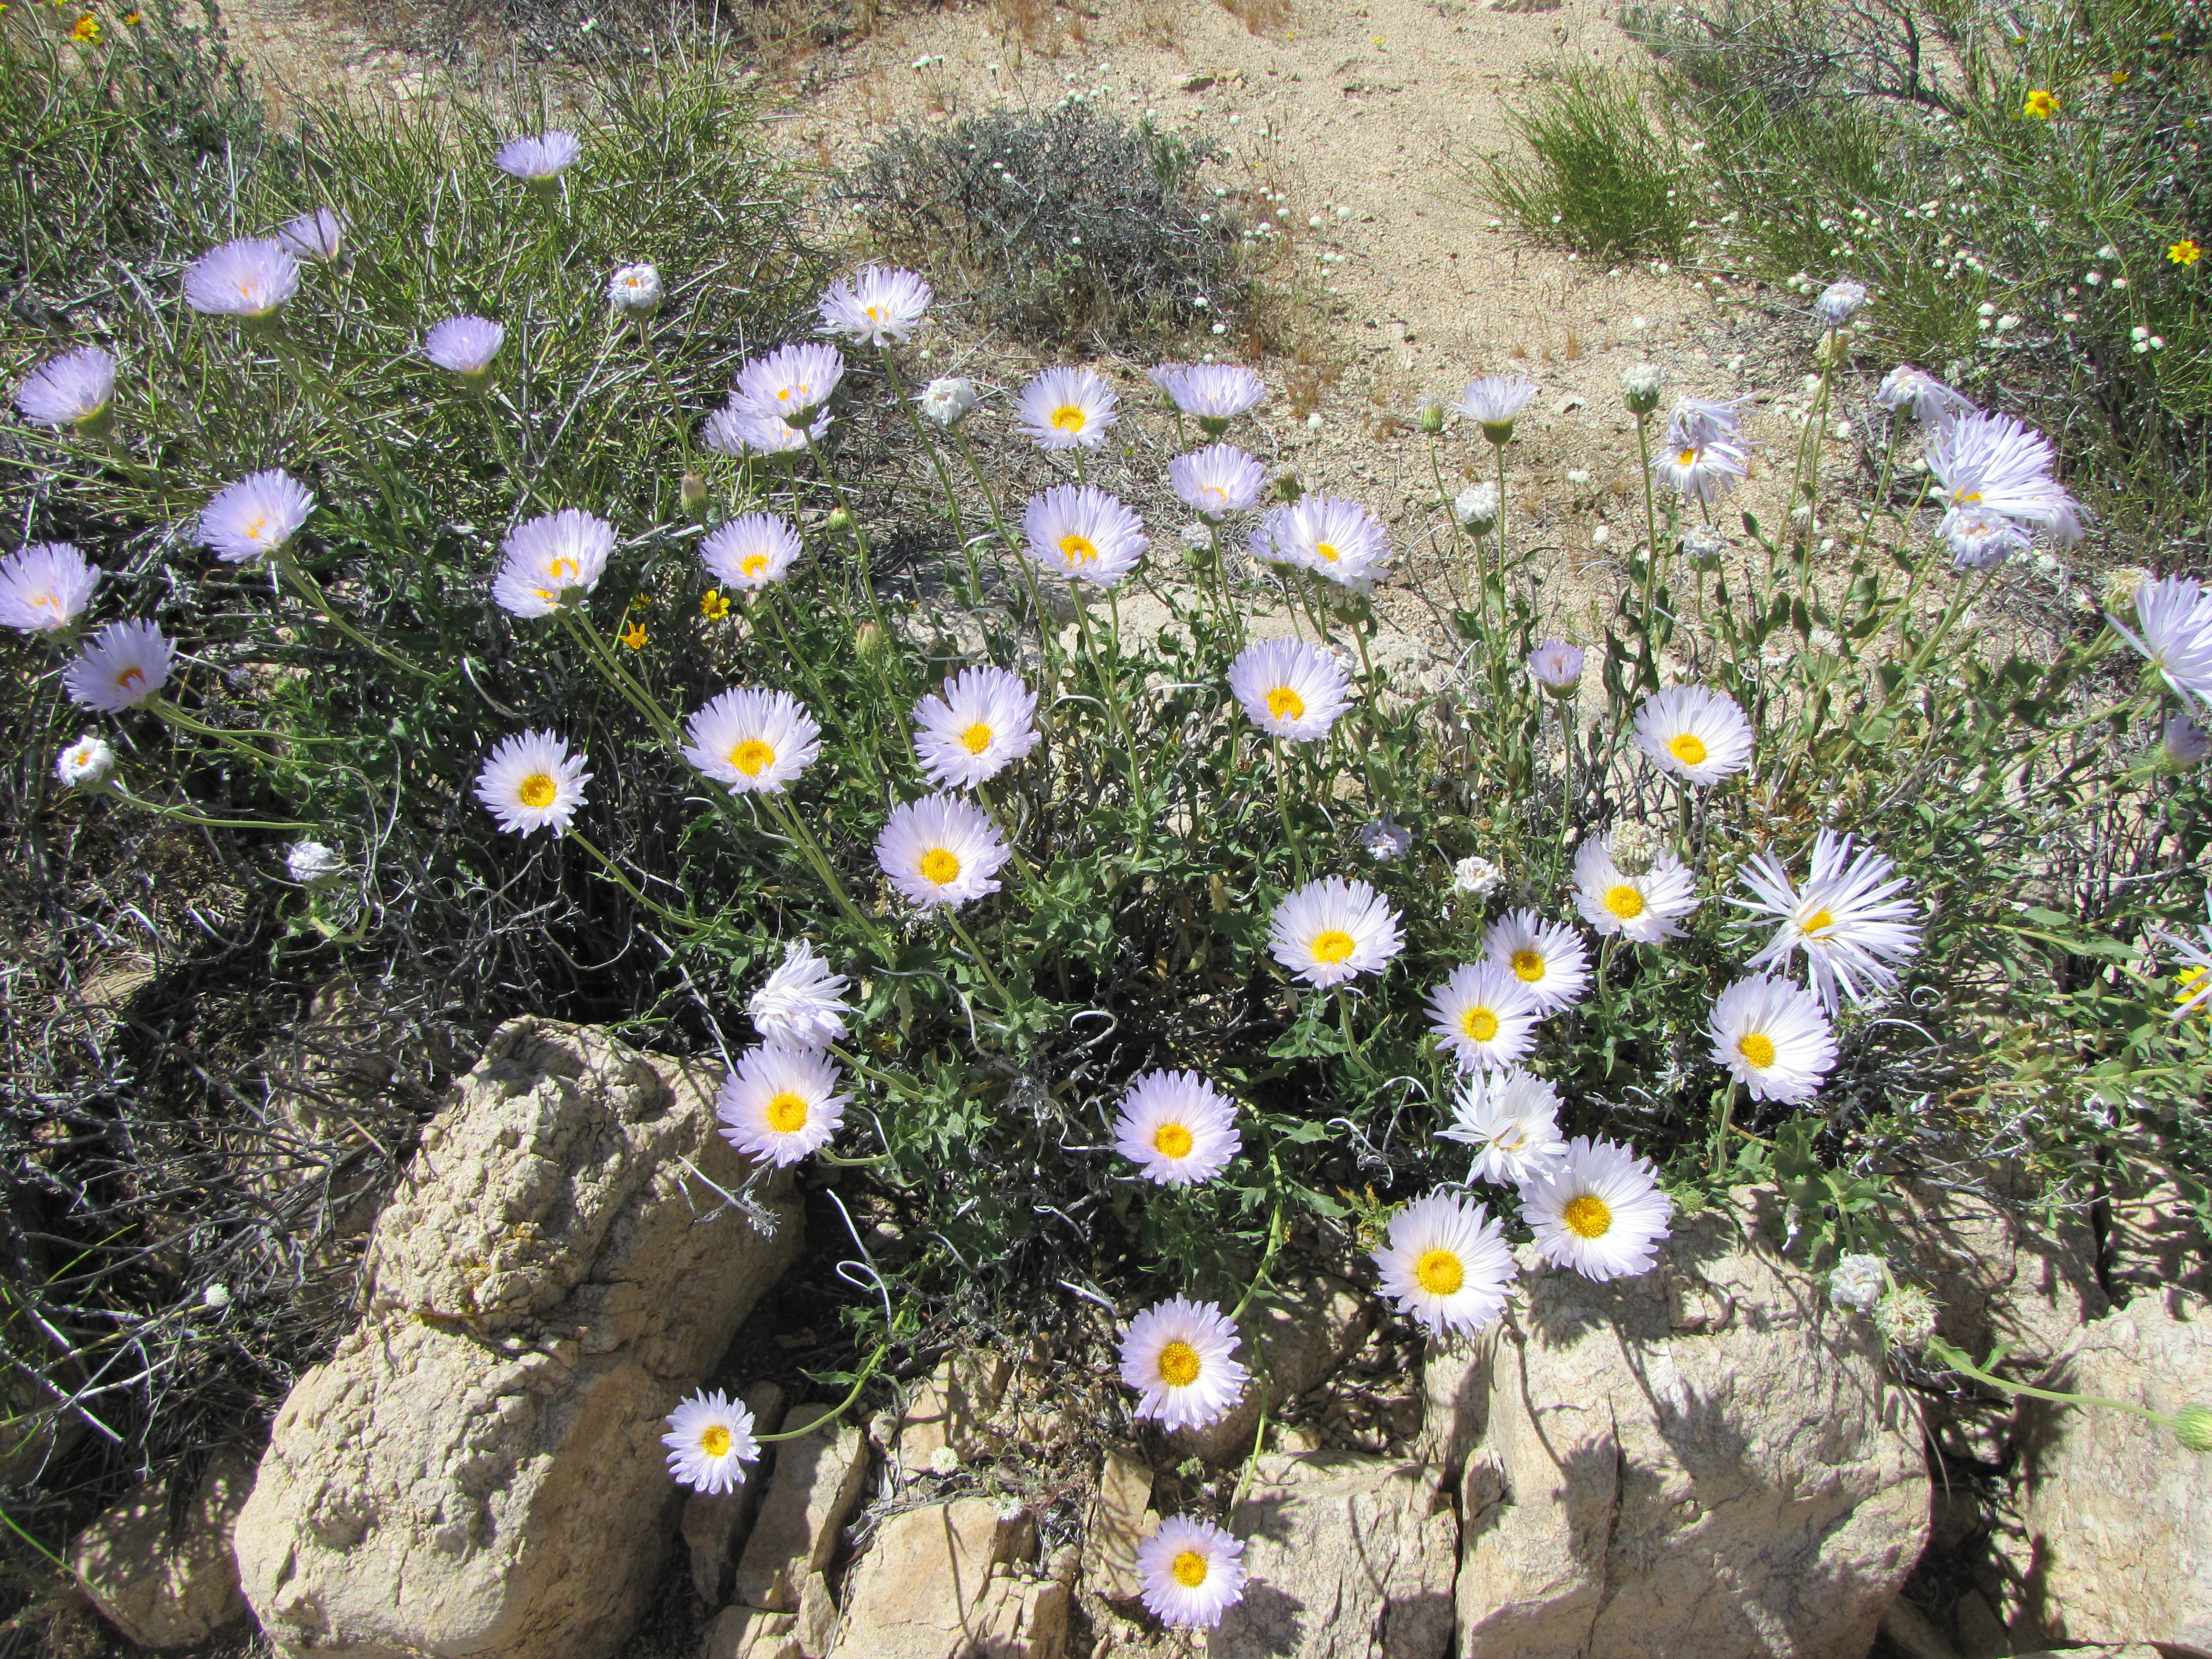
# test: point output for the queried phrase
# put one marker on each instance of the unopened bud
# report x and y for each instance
(1498, 431)
(1432, 416)
(868, 640)
(2192, 1427)
(1834, 350)
(694, 490)
(1634, 849)
(1639, 386)
(1288, 487)
(839, 523)
(1213, 425)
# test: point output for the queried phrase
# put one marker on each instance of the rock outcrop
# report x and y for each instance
(949, 1580)
(168, 1585)
(1294, 1340)
(817, 1481)
(1705, 1460)
(477, 1470)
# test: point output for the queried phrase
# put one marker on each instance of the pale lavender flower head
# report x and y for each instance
(74, 389)
(1994, 464)
(541, 160)
(881, 306)
(1217, 480)
(1979, 539)
(255, 517)
(548, 559)
(45, 587)
(1495, 402)
(1213, 392)
(790, 382)
(739, 429)
(1927, 398)
(249, 279)
(635, 291)
(1838, 303)
(465, 345)
(1557, 666)
(320, 236)
(120, 666)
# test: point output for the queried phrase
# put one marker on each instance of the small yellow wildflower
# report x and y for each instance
(2041, 104)
(2120, 78)
(2184, 252)
(87, 30)
(130, 20)
(714, 606)
(634, 636)
(640, 601)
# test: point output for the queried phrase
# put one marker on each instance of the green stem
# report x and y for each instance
(184, 815)
(859, 536)
(837, 1411)
(1283, 805)
(312, 591)
(937, 461)
(812, 851)
(627, 886)
(976, 951)
(175, 717)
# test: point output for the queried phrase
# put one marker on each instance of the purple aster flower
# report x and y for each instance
(790, 381)
(738, 430)
(465, 345)
(881, 306)
(248, 279)
(1996, 464)
(320, 236)
(74, 389)
(45, 587)
(542, 160)
(121, 666)
(255, 517)
(549, 558)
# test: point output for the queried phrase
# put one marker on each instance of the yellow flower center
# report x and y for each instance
(1077, 549)
(1757, 1049)
(875, 313)
(1285, 704)
(561, 566)
(253, 531)
(1817, 921)
(1178, 1364)
(49, 601)
(753, 565)
(752, 757)
(538, 791)
(1326, 551)
(976, 738)
(941, 865)
(2192, 981)
(1189, 1569)
(1479, 1024)
(1965, 497)
(1625, 901)
(1171, 1140)
(1528, 965)
(130, 679)
(716, 1443)
(1588, 1217)
(1440, 1273)
(1068, 418)
(1687, 457)
(1689, 749)
(787, 1114)
(1334, 945)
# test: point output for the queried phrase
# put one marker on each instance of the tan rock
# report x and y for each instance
(1120, 1519)
(817, 1617)
(951, 1408)
(2118, 1514)
(1706, 1460)
(817, 1479)
(715, 1523)
(1998, 1276)
(743, 1632)
(1346, 1557)
(477, 1469)
(1293, 1343)
(165, 1588)
(926, 1589)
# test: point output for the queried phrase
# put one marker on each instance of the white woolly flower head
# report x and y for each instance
(1176, 1127)
(1549, 957)
(1476, 506)
(1447, 1264)
(1330, 535)
(256, 517)
(312, 864)
(465, 345)
(780, 1104)
(1849, 918)
(1906, 1316)
(948, 400)
(1642, 909)
(1694, 732)
(752, 740)
(1838, 303)
(1191, 1572)
(1557, 666)
(791, 382)
(550, 560)
(1177, 1356)
(1512, 1119)
(1217, 480)
(1495, 402)
(74, 389)
(45, 587)
(1080, 533)
(1332, 930)
(1772, 1038)
(1066, 409)
(1856, 1281)
(87, 763)
(1640, 387)
(752, 551)
(1483, 1016)
(532, 782)
(1476, 877)
(249, 279)
(1599, 1212)
(634, 290)
(981, 722)
(710, 1440)
(802, 1004)
(541, 159)
(881, 306)
(1290, 689)
(1927, 398)
(317, 237)
(941, 850)
(120, 667)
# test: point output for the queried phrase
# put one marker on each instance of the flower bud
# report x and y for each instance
(1432, 416)
(1702, 547)
(1213, 425)
(1288, 487)
(839, 523)
(1634, 849)
(694, 491)
(2192, 1427)
(1639, 386)
(868, 641)
(1476, 506)
(1498, 431)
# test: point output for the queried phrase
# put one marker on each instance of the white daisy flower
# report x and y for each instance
(255, 517)
(539, 159)
(753, 739)
(1191, 1571)
(752, 551)
(532, 782)
(1217, 480)
(1080, 533)
(1512, 1119)
(1330, 931)
(1993, 462)
(1557, 666)
(941, 849)
(790, 382)
(1927, 398)
(74, 389)
(45, 586)
(780, 1104)
(1447, 1264)
(1214, 392)
(2184, 743)
(710, 1440)
(1476, 506)
(120, 667)
(949, 400)
(550, 558)
(318, 236)
(1601, 1211)
(1847, 919)
(881, 306)
(1549, 957)
(982, 722)
(1176, 1127)
(1642, 909)
(1290, 688)
(634, 290)
(465, 345)
(1773, 1038)
(1694, 732)
(1980, 540)
(738, 429)
(1495, 402)
(1329, 535)
(1064, 407)
(1484, 1016)
(312, 864)
(2173, 633)
(85, 764)
(802, 1004)
(1176, 1356)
